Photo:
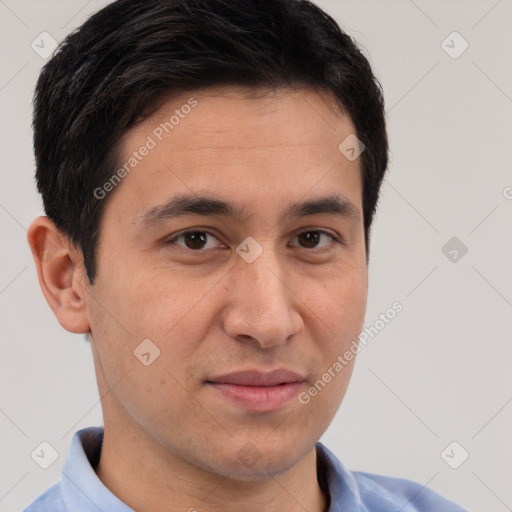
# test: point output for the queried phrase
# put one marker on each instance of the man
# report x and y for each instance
(210, 170)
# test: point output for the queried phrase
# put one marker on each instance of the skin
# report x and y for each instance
(172, 441)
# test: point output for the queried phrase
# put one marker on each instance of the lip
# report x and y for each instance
(257, 378)
(259, 391)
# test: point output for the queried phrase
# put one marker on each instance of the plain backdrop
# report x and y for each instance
(440, 371)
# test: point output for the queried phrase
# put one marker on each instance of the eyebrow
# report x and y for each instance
(183, 205)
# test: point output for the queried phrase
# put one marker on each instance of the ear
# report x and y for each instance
(61, 274)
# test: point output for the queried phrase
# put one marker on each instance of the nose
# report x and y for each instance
(261, 303)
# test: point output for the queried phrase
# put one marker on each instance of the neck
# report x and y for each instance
(146, 477)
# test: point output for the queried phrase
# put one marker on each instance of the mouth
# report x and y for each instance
(257, 390)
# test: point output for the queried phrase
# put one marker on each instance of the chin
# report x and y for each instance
(260, 461)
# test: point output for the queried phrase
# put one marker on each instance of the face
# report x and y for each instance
(244, 282)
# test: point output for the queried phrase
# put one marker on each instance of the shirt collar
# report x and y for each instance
(342, 486)
(81, 487)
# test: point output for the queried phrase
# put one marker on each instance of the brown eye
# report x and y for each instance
(193, 240)
(311, 239)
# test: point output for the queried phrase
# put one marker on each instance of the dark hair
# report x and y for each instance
(110, 73)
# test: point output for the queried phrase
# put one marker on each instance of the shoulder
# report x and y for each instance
(50, 501)
(377, 491)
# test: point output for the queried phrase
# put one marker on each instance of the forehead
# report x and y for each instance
(229, 116)
(254, 145)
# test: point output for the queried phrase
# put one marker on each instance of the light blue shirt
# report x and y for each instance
(79, 488)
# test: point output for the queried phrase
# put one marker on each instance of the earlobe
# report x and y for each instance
(61, 274)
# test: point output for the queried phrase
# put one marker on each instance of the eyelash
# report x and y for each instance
(172, 241)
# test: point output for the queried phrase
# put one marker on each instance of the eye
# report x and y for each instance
(197, 240)
(310, 239)
(194, 240)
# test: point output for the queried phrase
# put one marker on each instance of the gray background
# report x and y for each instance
(439, 372)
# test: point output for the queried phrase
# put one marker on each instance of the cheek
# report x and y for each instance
(340, 302)
(150, 304)
(342, 309)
